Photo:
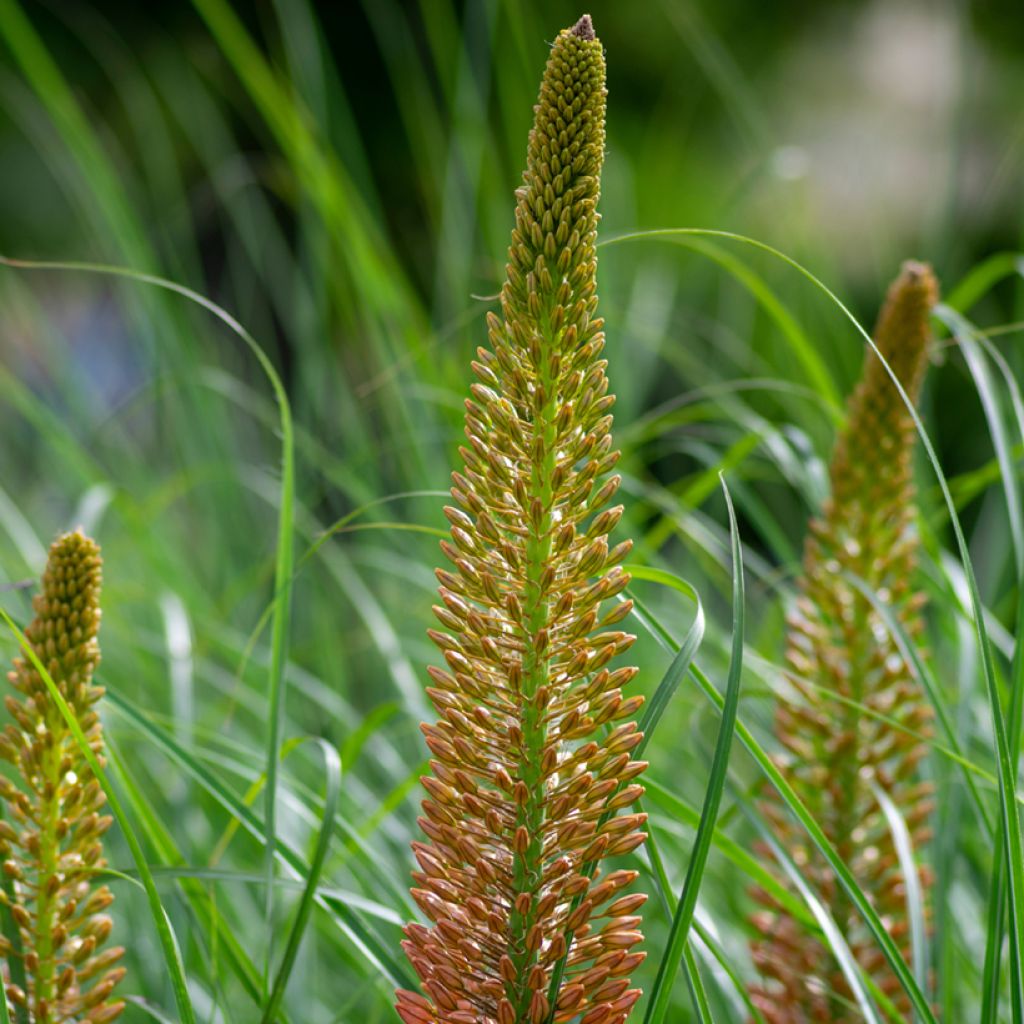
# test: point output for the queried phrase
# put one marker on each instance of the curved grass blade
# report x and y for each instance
(332, 771)
(1009, 813)
(923, 674)
(284, 551)
(168, 941)
(662, 992)
(746, 862)
(970, 341)
(965, 335)
(656, 706)
(983, 277)
(806, 819)
(912, 880)
(203, 908)
(804, 352)
(844, 957)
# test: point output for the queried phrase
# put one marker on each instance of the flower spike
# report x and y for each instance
(51, 844)
(532, 779)
(840, 741)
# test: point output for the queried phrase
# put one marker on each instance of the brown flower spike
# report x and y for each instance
(531, 753)
(51, 844)
(843, 663)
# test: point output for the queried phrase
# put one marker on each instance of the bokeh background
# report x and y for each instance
(340, 178)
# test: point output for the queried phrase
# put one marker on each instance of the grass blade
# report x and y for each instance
(285, 527)
(1009, 812)
(694, 982)
(662, 991)
(915, 898)
(364, 940)
(332, 769)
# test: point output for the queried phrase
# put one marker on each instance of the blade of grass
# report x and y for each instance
(982, 277)
(661, 994)
(656, 706)
(805, 353)
(970, 343)
(198, 899)
(694, 982)
(1008, 809)
(923, 674)
(284, 548)
(332, 771)
(796, 807)
(844, 957)
(363, 939)
(912, 882)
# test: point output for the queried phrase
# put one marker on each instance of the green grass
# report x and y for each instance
(283, 496)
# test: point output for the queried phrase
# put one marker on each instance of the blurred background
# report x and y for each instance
(340, 178)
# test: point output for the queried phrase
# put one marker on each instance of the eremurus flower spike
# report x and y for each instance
(51, 843)
(843, 663)
(532, 775)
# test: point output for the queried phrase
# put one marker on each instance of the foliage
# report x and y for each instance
(340, 179)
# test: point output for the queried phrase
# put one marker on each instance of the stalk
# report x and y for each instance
(527, 784)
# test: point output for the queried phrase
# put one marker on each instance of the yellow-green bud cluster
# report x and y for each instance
(852, 728)
(529, 791)
(51, 843)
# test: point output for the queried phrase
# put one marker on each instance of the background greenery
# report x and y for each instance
(340, 180)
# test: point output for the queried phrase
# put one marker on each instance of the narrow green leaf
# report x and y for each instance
(332, 771)
(694, 982)
(661, 994)
(285, 528)
(363, 939)
(912, 882)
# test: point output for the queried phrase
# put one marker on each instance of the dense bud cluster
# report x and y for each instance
(840, 736)
(51, 842)
(532, 775)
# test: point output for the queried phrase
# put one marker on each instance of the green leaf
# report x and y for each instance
(332, 769)
(661, 993)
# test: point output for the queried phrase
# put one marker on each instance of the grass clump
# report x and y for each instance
(527, 785)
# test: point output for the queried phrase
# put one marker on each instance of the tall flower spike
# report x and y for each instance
(51, 845)
(845, 666)
(528, 783)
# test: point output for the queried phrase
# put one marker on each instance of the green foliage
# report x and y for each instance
(341, 184)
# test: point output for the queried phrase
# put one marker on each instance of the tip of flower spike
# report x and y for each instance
(918, 277)
(584, 28)
(914, 271)
(74, 540)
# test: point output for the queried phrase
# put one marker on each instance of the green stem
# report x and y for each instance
(49, 852)
(527, 866)
(846, 816)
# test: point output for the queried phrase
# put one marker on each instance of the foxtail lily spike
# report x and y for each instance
(50, 841)
(847, 671)
(532, 776)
